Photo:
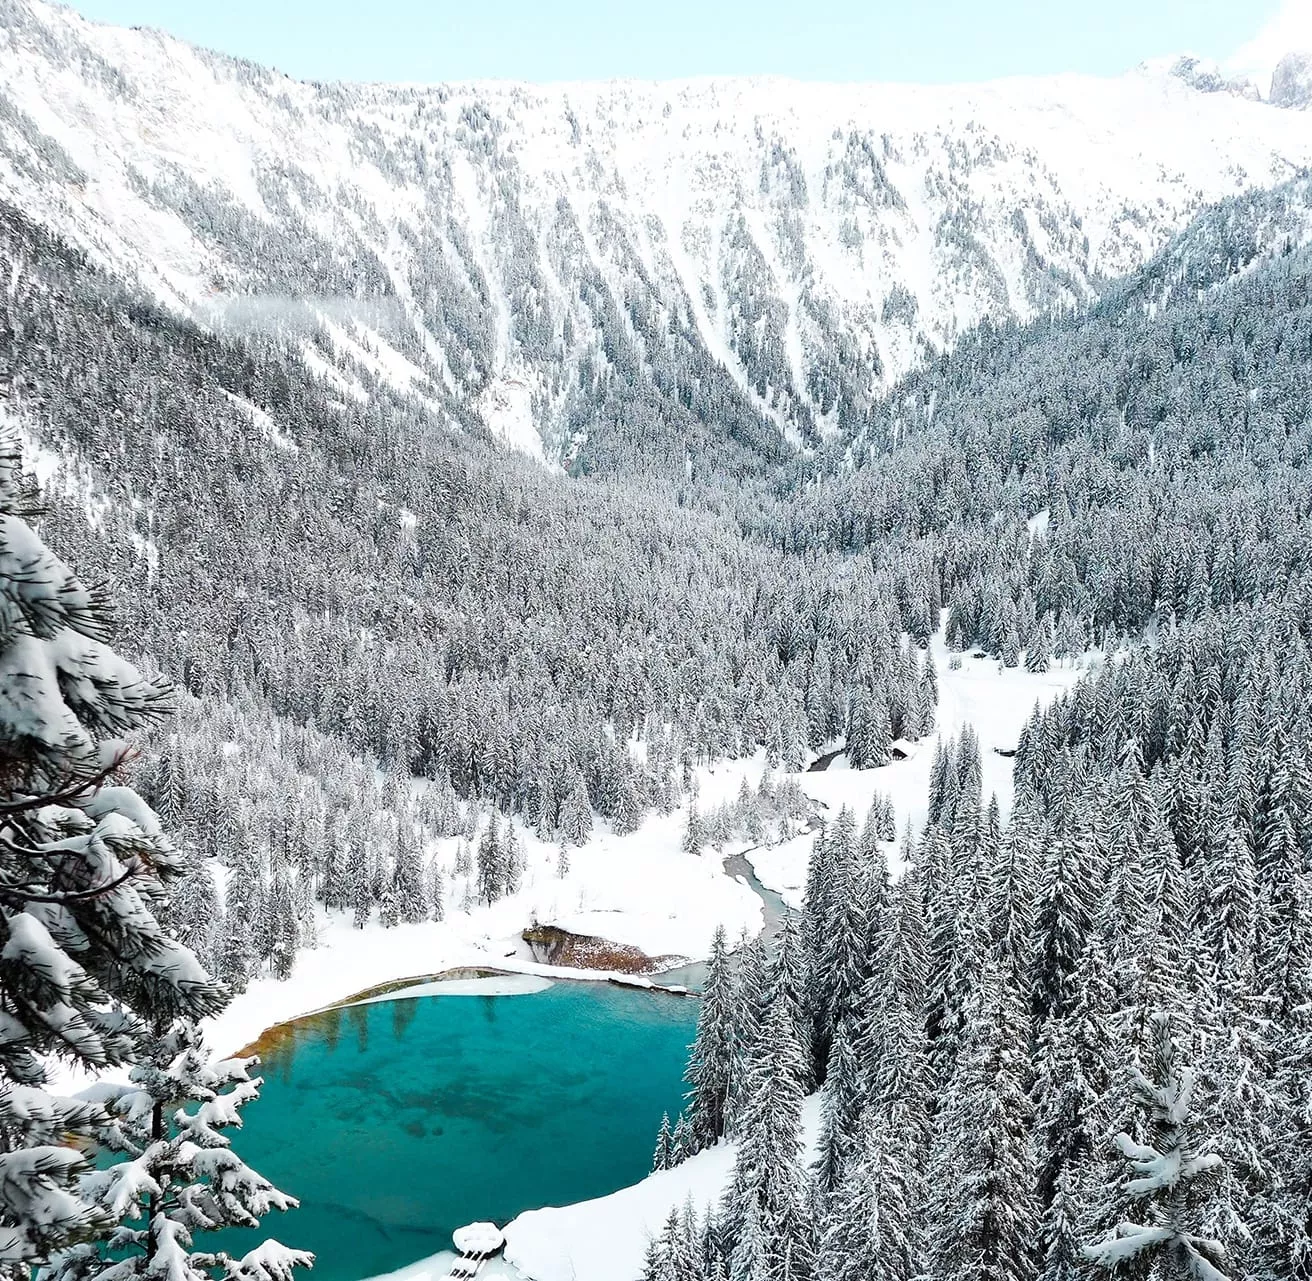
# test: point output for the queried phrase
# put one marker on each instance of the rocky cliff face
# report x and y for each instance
(1291, 84)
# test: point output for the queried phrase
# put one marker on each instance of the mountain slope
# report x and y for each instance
(616, 269)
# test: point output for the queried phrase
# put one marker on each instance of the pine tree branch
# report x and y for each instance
(24, 894)
(70, 790)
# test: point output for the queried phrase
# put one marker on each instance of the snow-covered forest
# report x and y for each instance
(295, 645)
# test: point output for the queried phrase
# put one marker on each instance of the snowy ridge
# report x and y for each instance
(512, 246)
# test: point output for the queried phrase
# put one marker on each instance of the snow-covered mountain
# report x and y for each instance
(520, 255)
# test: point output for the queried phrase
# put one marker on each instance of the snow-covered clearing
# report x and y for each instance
(995, 701)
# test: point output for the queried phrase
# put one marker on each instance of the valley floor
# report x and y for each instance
(640, 889)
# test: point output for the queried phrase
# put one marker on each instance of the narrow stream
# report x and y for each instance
(694, 975)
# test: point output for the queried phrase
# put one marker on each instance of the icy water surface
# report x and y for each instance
(398, 1121)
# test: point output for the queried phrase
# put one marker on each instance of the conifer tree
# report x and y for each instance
(837, 917)
(981, 1174)
(681, 1142)
(1038, 651)
(179, 1176)
(576, 813)
(1173, 1175)
(411, 887)
(335, 891)
(490, 863)
(694, 833)
(751, 1001)
(894, 1012)
(787, 985)
(362, 893)
(765, 1214)
(843, 1099)
(929, 695)
(1064, 913)
(437, 891)
(1073, 1065)
(711, 1060)
(663, 1157)
(872, 1228)
(944, 965)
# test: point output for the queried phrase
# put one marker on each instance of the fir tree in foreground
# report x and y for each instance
(86, 968)
(179, 1176)
(1174, 1180)
(766, 1222)
(710, 1064)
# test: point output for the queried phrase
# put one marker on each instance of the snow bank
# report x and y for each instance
(782, 868)
(498, 985)
(605, 1239)
(437, 1266)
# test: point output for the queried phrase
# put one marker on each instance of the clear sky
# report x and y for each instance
(918, 40)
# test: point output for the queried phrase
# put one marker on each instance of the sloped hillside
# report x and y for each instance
(620, 270)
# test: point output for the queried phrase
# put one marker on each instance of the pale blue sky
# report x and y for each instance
(918, 40)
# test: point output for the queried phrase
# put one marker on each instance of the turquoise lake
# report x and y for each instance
(399, 1121)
